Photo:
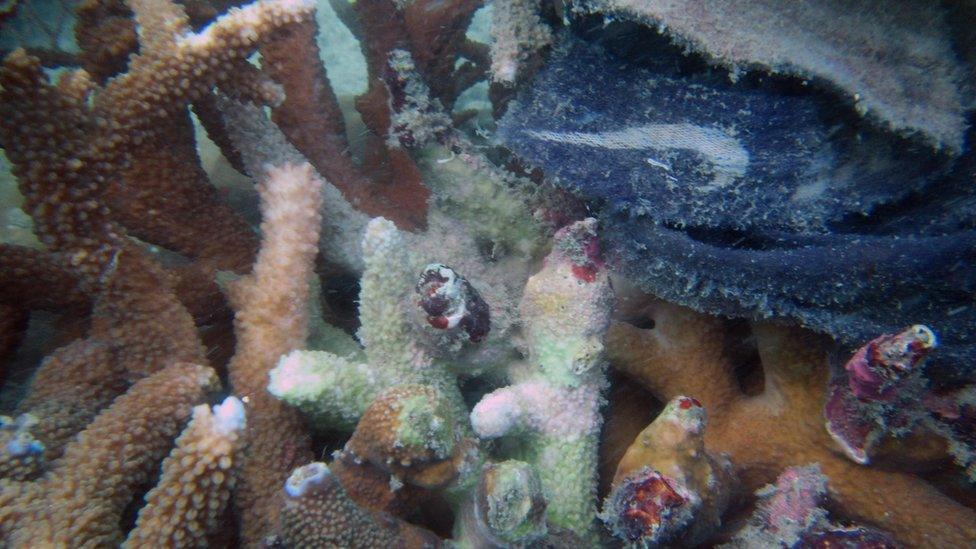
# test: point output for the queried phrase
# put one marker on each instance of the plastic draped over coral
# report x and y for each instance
(759, 198)
(183, 365)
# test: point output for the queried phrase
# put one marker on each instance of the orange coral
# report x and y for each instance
(272, 320)
(80, 501)
(197, 479)
(71, 386)
(685, 353)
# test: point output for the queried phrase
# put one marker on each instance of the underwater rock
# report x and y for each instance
(755, 199)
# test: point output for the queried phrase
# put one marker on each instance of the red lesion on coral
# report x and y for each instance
(876, 369)
(686, 403)
(652, 500)
(438, 322)
(586, 273)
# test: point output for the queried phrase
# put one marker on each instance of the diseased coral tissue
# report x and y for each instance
(555, 274)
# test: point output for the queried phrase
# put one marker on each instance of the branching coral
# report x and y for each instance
(271, 320)
(556, 397)
(685, 353)
(144, 263)
(196, 481)
(335, 390)
(79, 502)
(319, 513)
(668, 489)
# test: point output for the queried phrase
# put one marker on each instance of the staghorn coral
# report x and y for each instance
(197, 478)
(319, 513)
(271, 319)
(70, 387)
(555, 398)
(668, 489)
(335, 390)
(135, 236)
(685, 353)
(414, 434)
(80, 500)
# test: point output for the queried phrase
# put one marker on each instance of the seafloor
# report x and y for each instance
(477, 274)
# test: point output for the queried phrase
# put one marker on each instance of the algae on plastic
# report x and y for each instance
(762, 198)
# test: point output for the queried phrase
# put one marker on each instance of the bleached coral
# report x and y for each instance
(555, 398)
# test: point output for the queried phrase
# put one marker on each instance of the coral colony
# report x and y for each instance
(590, 273)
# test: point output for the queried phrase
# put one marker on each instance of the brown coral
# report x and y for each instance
(685, 353)
(319, 513)
(197, 479)
(80, 501)
(271, 321)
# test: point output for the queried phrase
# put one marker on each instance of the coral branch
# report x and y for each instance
(71, 386)
(271, 320)
(556, 401)
(198, 476)
(334, 390)
(319, 513)
(81, 501)
(668, 489)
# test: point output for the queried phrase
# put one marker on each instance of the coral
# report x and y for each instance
(510, 508)
(197, 478)
(893, 63)
(517, 32)
(335, 390)
(33, 279)
(271, 319)
(70, 387)
(319, 513)
(790, 514)
(881, 392)
(311, 119)
(668, 489)
(556, 397)
(21, 455)
(147, 280)
(685, 353)
(414, 434)
(80, 500)
(261, 142)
